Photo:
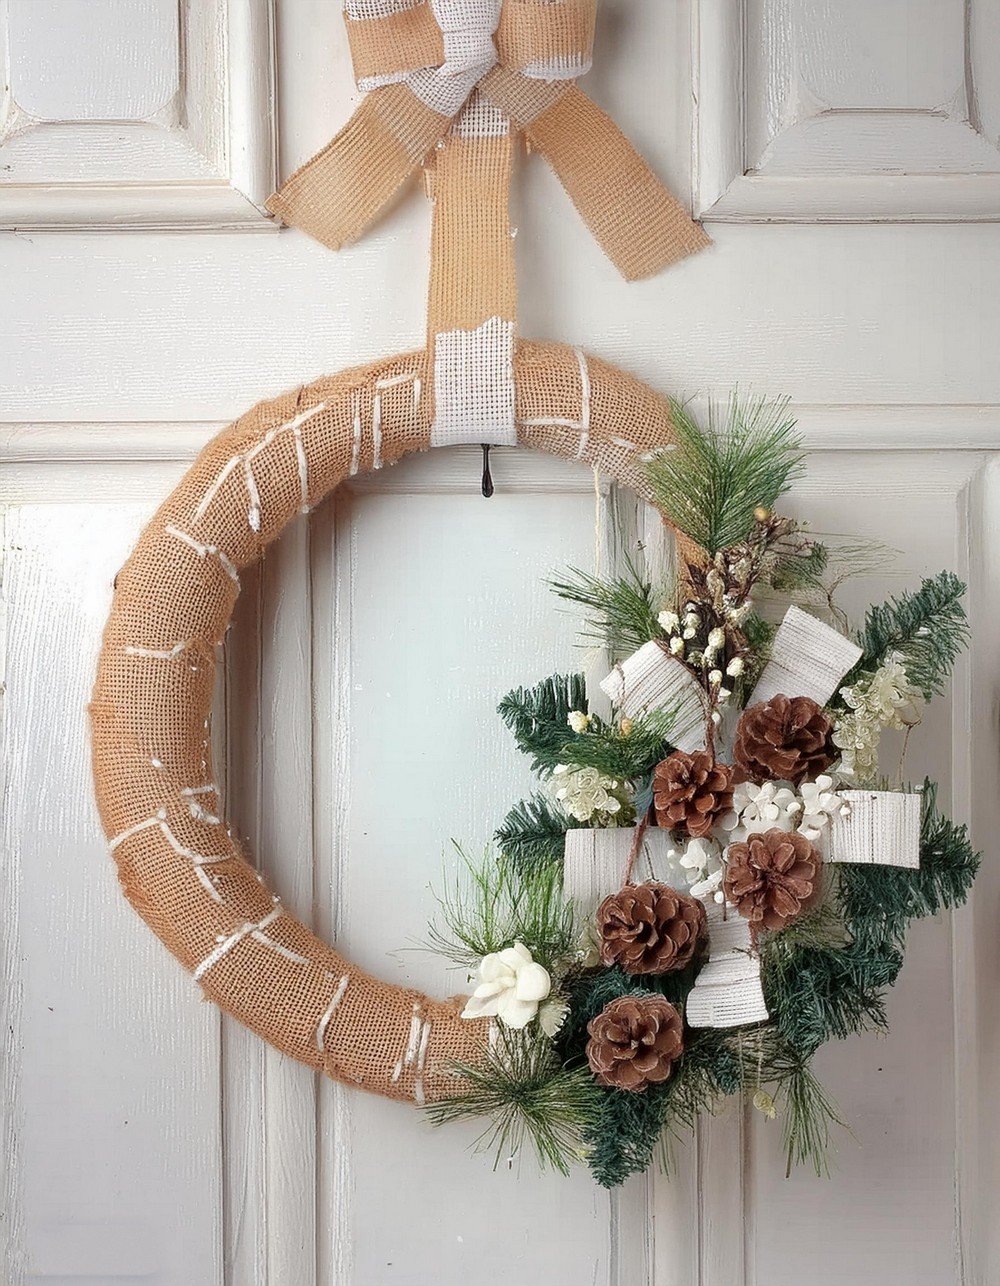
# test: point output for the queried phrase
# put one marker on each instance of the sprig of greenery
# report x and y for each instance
(719, 474)
(493, 904)
(622, 613)
(534, 831)
(538, 717)
(926, 630)
(526, 1095)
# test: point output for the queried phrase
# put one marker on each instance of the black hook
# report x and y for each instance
(487, 476)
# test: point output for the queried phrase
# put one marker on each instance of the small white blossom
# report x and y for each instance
(690, 632)
(677, 646)
(820, 805)
(735, 667)
(717, 639)
(552, 1014)
(511, 987)
(697, 865)
(886, 699)
(772, 806)
(669, 621)
(715, 678)
(578, 721)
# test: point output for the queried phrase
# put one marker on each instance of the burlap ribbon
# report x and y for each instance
(421, 63)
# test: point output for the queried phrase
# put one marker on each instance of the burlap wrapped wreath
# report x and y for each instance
(159, 805)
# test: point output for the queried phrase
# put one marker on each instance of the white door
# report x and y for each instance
(845, 158)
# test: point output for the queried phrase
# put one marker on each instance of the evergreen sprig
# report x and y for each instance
(622, 612)
(926, 630)
(538, 717)
(493, 904)
(525, 1094)
(711, 483)
(534, 831)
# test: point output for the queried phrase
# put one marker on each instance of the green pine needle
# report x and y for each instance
(494, 904)
(534, 831)
(538, 717)
(622, 613)
(710, 485)
(526, 1096)
(926, 630)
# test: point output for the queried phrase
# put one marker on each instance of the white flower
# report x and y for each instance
(856, 736)
(772, 806)
(578, 721)
(715, 678)
(735, 667)
(886, 699)
(552, 1015)
(677, 646)
(511, 988)
(669, 622)
(820, 805)
(587, 795)
(717, 639)
(697, 864)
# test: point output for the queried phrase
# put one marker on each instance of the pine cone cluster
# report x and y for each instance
(784, 739)
(634, 1042)
(772, 878)
(690, 791)
(650, 928)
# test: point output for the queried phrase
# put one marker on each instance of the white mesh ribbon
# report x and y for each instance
(595, 862)
(882, 829)
(474, 386)
(652, 679)
(808, 659)
(727, 991)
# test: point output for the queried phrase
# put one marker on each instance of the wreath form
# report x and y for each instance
(159, 805)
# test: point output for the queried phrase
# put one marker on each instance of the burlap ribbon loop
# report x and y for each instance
(421, 62)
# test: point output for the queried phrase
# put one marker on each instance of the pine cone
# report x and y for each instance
(772, 878)
(634, 1042)
(690, 791)
(784, 739)
(650, 928)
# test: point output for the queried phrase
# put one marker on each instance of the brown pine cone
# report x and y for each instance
(650, 928)
(690, 791)
(772, 878)
(634, 1042)
(784, 739)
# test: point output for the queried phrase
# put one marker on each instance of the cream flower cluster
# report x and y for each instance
(778, 805)
(588, 796)
(886, 699)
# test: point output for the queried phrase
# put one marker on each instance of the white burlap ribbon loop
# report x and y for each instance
(467, 29)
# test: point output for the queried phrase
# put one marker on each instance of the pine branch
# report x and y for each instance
(533, 832)
(538, 717)
(626, 756)
(926, 630)
(526, 1094)
(492, 905)
(710, 485)
(622, 612)
(882, 900)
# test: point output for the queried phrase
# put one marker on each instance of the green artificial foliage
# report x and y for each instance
(623, 755)
(926, 631)
(494, 903)
(623, 1132)
(538, 717)
(718, 475)
(534, 831)
(526, 1096)
(882, 900)
(621, 613)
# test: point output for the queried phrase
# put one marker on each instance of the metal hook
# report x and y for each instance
(487, 476)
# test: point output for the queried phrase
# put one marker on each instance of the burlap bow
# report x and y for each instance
(422, 62)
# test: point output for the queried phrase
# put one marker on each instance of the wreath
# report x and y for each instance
(715, 879)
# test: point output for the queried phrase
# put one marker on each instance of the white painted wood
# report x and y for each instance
(810, 112)
(122, 354)
(161, 115)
